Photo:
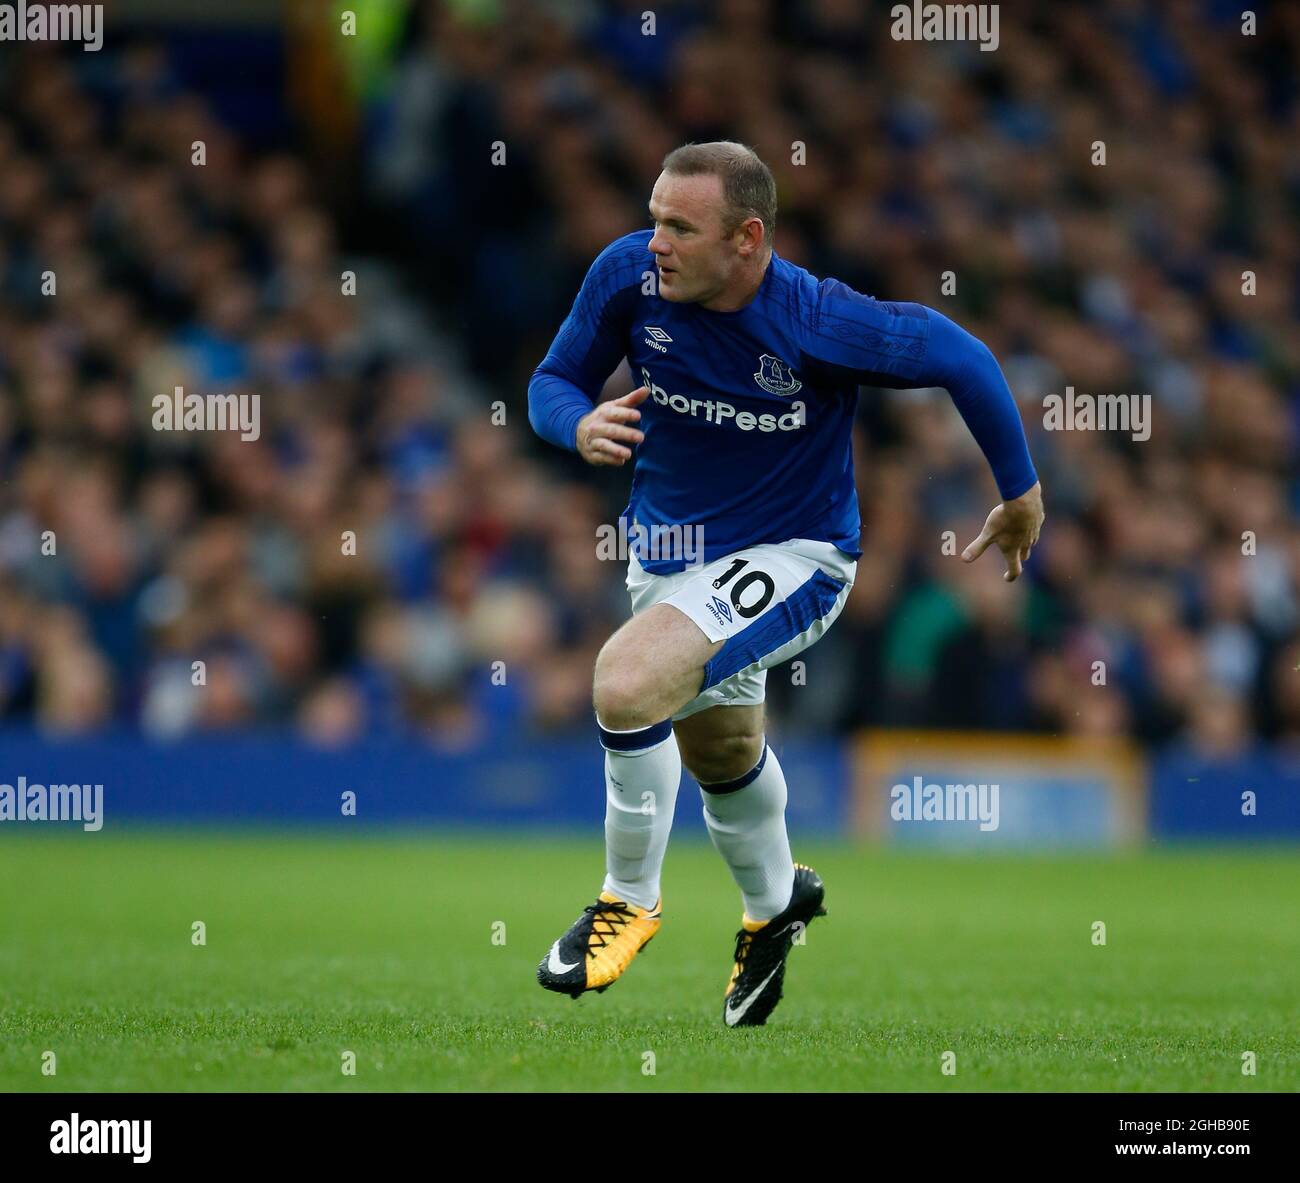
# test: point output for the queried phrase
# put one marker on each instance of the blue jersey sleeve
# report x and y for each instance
(967, 369)
(590, 344)
(905, 345)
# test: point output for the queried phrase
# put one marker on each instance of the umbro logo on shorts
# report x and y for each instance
(721, 609)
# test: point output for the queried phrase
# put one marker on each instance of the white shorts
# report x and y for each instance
(767, 602)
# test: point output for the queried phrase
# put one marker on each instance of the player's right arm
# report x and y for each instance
(564, 389)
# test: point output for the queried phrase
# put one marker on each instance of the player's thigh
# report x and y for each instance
(651, 666)
(765, 604)
(722, 742)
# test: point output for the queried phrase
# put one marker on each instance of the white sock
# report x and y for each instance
(642, 771)
(746, 820)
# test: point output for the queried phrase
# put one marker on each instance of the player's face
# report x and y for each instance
(696, 260)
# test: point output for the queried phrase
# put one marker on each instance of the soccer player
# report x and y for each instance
(741, 436)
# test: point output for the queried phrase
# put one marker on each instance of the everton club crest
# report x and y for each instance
(776, 377)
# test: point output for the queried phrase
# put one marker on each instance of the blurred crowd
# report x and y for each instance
(1163, 601)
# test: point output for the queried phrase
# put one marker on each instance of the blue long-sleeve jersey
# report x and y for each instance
(748, 430)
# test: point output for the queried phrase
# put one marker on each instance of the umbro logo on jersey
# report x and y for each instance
(656, 338)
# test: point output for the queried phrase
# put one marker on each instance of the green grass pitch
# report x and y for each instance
(389, 947)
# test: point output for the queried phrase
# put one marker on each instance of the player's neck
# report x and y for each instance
(740, 291)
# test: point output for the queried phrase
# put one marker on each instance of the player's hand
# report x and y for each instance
(604, 434)
(1014, 526)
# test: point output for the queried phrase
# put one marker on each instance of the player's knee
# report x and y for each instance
(618, 705)
(621, 693)
(648, 669)
(723, 758)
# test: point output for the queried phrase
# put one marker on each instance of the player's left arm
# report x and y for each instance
(904, 345)
(963, 365)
